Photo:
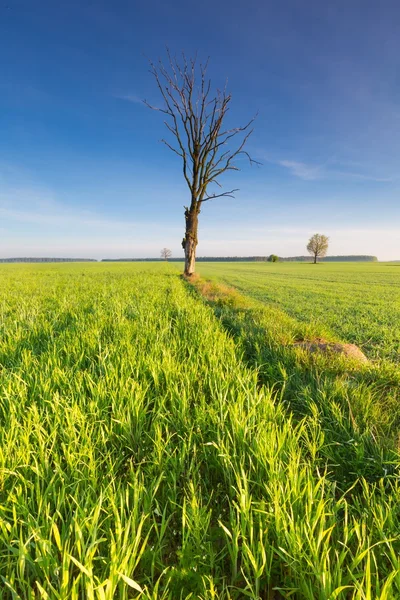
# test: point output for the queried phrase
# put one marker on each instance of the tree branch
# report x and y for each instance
(222, 195)
(196, 121)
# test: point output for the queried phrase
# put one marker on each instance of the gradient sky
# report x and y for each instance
(82, 171)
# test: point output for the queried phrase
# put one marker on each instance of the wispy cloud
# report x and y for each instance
(302, 170)
(42, 208)
(129, 98)
(60, 217)
(361, 176)
(330, 169)
(35, 223)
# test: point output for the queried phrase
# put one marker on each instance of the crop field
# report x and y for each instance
(359, 302)
(162, 445)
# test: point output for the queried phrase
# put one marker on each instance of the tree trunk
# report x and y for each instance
(315, 259)
(190, 240)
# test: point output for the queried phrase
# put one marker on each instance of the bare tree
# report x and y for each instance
(166, 253)
(318, 246)
(195, 117)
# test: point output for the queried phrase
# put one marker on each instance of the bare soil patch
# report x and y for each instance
(320, 345)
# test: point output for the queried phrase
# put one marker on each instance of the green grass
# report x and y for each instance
(149, 448)
(359, 302)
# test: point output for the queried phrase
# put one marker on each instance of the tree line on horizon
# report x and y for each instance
(346, 258)
(30, 259)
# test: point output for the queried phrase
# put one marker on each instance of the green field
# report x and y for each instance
(160, 446)
(359, 302)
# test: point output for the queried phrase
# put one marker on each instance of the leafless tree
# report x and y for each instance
(166, 253)
(195, 117)
(318, 246)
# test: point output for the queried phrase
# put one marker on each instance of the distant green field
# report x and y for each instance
(359, 302)
(158, 446)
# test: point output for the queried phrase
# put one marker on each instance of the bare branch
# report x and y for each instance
(196, 120)
(171, 148)
(166, 112)
(222, 195)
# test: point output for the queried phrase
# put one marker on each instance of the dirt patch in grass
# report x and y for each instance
(320, 345)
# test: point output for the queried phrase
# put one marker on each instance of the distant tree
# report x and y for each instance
(318, 246)
(195, 116)
(273, 258)
(166, 253)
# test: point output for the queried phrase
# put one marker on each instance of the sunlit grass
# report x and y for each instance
(141, 455)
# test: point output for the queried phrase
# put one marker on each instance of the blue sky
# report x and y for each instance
(82, 171)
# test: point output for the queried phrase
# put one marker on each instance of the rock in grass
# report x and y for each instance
(318, 345)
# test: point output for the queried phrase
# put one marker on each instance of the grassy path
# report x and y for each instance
(358, 302)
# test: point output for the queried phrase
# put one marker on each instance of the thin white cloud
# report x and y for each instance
(129, 98)
(40, 208)
(361, 176)
(110, 247)
(42, 226)
(60, 216)
(36, 221)
(327, 170)
(302, 170)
